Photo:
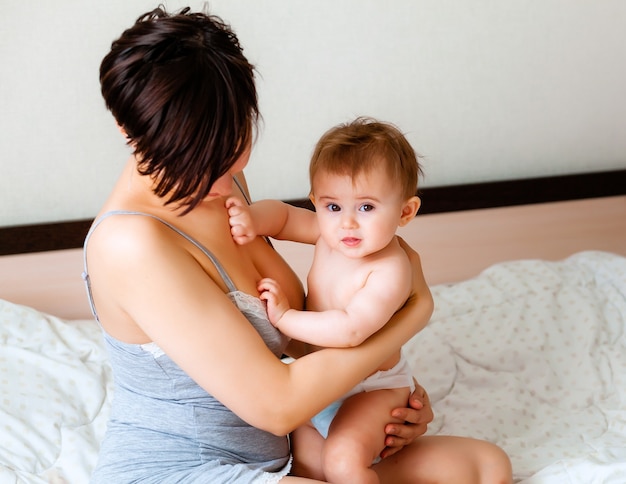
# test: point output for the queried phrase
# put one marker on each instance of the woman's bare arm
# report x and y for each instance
(171, 298)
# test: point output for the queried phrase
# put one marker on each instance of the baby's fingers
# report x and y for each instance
(268, 297)
(238, 231)
(239, 235)
(232, 202)
(234, 212)
(267, 284)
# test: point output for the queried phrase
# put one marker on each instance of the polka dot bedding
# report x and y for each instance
(532, 355)
(55, 390)
(529, 354)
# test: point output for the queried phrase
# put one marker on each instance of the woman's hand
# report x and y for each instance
(416, 418)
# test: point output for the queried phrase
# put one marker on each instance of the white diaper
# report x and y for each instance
(399, 376)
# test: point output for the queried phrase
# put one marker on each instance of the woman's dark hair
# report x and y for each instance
(181, 88)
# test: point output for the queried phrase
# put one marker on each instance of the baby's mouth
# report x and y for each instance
(351, 241)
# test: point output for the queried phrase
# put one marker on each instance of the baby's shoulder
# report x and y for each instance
(392, 257)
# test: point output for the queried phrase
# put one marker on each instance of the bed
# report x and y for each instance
(526, 348)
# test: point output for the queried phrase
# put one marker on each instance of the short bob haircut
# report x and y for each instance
(182, 90)
(361, 146)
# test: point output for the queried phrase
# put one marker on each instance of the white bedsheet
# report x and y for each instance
(530, 354)
(55, 390)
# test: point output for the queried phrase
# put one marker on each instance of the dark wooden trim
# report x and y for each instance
(21, 239)
(67, 235)
(523, 192)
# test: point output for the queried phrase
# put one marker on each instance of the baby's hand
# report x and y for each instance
(273, 295)
(240, 220)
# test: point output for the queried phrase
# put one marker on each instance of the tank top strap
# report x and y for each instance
(85, 275)
(241, 189)
(249, 202)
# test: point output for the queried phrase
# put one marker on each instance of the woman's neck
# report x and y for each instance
(134, 191)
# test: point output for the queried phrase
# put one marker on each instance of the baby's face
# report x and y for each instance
(357, 216)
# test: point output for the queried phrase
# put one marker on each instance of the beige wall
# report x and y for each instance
(485, 90)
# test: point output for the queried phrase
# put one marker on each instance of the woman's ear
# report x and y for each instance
(409, 210)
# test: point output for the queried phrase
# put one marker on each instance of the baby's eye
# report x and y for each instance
(366, 207)
(333, 207)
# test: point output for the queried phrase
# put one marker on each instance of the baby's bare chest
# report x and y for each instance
(332, 282)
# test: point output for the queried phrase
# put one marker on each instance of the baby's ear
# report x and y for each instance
(409, 210)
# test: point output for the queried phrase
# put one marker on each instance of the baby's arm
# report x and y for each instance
(272, 218)
(384, 292)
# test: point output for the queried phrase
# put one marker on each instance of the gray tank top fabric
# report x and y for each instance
(164, 428)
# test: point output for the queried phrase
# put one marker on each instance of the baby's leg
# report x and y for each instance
(306, 448)
(440, 458)
(357, 435)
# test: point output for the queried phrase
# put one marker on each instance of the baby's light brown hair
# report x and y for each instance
(362, 145)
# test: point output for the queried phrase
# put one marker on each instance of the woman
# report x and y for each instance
(200, 393)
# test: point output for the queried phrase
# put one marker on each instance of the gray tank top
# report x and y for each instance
(163, 426)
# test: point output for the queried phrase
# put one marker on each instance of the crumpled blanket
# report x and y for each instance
(532, 355)
(529, 354)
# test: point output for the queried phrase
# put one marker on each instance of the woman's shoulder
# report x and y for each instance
(127, 230)
(129, 246)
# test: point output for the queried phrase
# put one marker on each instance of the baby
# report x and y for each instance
(363, 185)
